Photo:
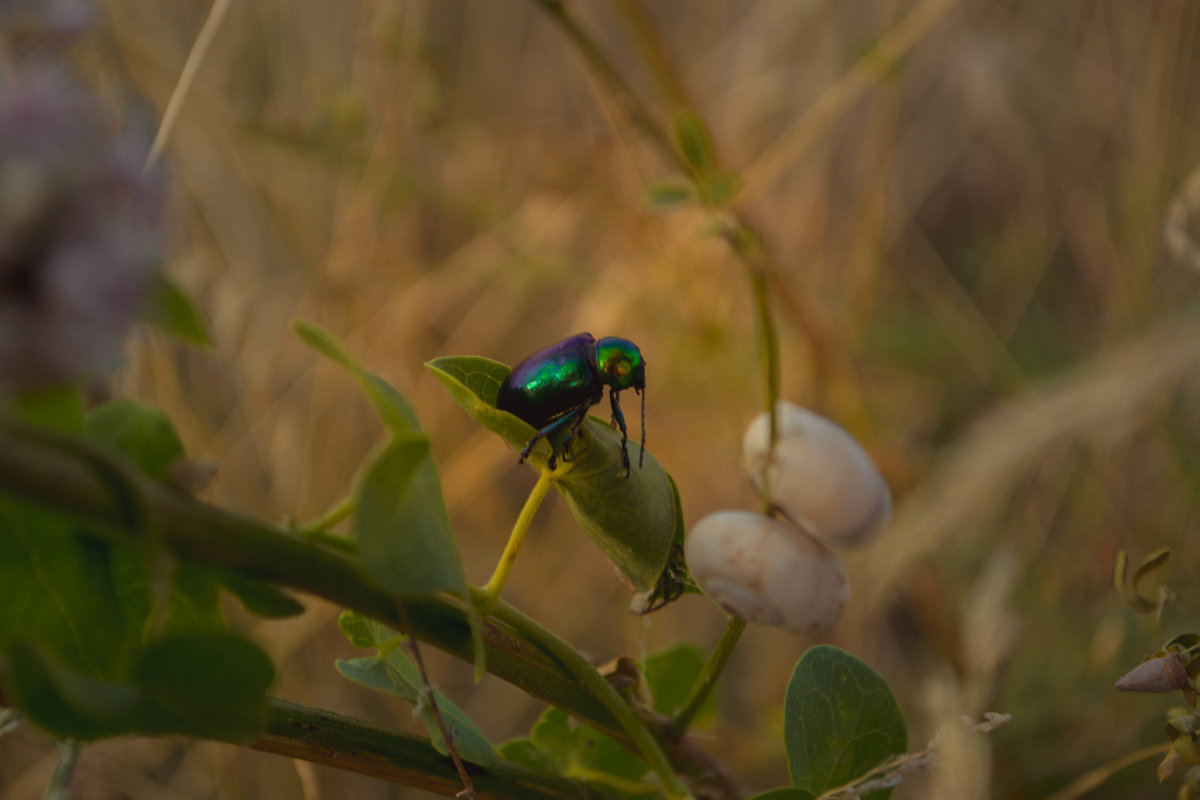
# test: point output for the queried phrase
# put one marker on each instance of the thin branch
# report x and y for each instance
(204, 40)
(468, 792)
(322, 737)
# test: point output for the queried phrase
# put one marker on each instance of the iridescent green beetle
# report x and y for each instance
(555, 387)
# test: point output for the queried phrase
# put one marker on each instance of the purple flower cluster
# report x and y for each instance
(78, 232)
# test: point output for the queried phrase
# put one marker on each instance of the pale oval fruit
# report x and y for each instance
(767, 571)
(820, 477)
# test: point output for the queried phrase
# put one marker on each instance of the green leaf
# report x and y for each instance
(59, 409)
(841, 720)
(363, 632)
(403, 530)
(474, 383)
(669, 194)
(395, 412)
(397, 675)
(693, 141)
(168, 308)
(58, 593)
(631, 519)
(260, 598)
(578, 751)
(671, 675)
(142, 432)
(212, 685)
(145, 434)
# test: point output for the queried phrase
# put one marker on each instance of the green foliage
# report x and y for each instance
(671, 675)
(633, 519)
(578, 751)
(210, 685)
(693, 141)
(57, 409)
(840, 722)
(168, 308)
(393, 672)
(141, 432)
(403, 531)
(103, 639)
(395, 412)
(261, 599)
(669, 194)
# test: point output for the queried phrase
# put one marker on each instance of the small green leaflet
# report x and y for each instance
(578, 751)
(395, 674)
(168, 308)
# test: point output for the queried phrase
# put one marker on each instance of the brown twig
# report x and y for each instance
(468, 792)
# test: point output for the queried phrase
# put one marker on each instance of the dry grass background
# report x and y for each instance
(971, 278)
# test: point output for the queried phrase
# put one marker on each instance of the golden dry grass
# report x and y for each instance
(971, 277)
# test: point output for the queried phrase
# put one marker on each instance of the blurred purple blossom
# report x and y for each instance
(78, 232)
(42, 20)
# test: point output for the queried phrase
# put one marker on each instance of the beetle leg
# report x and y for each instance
(620, 418)
(551, 427)
(580, 414)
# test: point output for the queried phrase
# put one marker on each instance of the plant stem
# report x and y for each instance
(579, 667)
(737, 231)
(323, 737)
(36, 466)
(509, 556)
(330, 518)
(468, 792)
(708, 676)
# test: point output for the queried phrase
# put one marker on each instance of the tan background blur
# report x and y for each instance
(971, 278)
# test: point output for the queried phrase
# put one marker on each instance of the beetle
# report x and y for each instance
(554, 388)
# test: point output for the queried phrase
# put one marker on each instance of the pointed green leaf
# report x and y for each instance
(397, 675)
(632, 519)
(403, 530)
(261, 598)
(841, 720)
(693, 140)
(669, 194)
(474, 383)
(395, 412)
(142, 432)
(168, 308)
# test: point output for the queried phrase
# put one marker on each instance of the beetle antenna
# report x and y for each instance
(642, 452)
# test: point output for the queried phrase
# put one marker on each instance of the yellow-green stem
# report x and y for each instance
(509, 556)
(708, 676)
(330, 518)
